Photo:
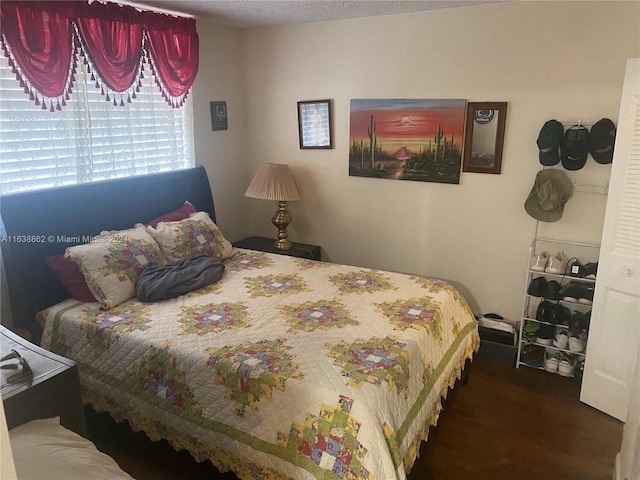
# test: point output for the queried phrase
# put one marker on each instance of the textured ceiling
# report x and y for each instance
(261, 13)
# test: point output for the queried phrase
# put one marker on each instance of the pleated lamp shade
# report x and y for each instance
(273, 181)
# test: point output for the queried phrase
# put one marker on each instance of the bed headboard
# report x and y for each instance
(41, 223)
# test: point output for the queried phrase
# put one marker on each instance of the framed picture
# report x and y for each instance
(407, 139)
(314, 124)
(219, 116)
(484, 137)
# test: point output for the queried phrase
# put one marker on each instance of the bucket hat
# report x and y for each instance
(549, 143)
(574, 147)
(551, 190)
(601, 141)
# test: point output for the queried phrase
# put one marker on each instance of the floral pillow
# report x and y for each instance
(195, 235)
(112, 262)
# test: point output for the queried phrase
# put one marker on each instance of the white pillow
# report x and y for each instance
(44, 450)
(112, 262)
(195, 235)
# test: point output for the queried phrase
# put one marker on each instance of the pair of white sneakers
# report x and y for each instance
(544, 262)
(574, 342)
(578, 343)
(555, 361)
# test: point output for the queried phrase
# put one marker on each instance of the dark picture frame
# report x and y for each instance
(314, 124)
(484, 137)
(219, 116)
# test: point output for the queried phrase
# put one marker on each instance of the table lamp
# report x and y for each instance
(274, 181)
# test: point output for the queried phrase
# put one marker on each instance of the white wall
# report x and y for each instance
(221, 77)
(562, 60)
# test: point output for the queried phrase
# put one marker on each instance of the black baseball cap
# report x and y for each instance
(601, 141)
(575, 147)
(549, 143)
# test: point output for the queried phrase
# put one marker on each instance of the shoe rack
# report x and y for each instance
(557, 307)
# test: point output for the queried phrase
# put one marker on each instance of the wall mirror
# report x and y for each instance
(484, 137)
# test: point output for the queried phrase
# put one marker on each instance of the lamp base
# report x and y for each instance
(283, 244)
(281, 219)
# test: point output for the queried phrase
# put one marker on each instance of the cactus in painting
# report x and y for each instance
(371, 131)
(438, 139)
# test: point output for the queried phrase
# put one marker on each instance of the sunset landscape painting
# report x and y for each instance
(407, 139)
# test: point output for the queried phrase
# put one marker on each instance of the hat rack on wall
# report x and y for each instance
(578, 123)
(586, 188)
(590, 188)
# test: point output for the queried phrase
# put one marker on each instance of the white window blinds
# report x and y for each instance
(91, 139)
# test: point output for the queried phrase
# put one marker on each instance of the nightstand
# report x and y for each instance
(53, 390)
(263, 244)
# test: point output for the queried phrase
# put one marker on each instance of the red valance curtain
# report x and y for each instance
(41, 40)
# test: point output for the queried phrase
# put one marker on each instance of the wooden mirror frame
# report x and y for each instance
(470, 161)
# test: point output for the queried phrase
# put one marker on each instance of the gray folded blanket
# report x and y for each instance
(175, 279)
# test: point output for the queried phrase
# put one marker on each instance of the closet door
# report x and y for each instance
(614, 333)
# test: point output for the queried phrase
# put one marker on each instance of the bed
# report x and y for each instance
(284, 368)
(43, 449)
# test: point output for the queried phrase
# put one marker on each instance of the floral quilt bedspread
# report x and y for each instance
(286, 368)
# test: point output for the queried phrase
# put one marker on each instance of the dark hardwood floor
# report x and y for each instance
(506, 423)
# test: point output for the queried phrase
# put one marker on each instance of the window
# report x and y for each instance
(90, 139)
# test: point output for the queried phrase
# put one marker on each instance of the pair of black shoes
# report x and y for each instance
(578, 292)
(545, 335)
(588, 270)
(540, 287)
(579, 322)
(553, 313)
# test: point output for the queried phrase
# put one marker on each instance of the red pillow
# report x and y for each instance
(71, 277)
(180, 214)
